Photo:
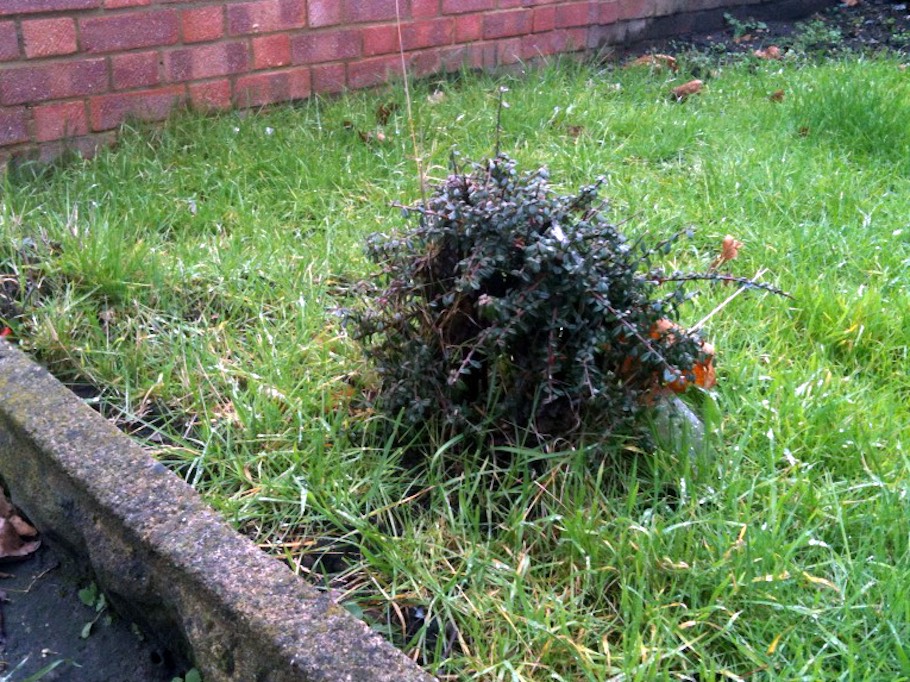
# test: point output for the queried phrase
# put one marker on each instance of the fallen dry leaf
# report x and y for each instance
(770, 52)
(658, 61)
(681, 92)
(703, 372)
(776, 96)
(13, 528)
(6, 508)
(729, 248)
(370, 137)
(385, 111)
(575, 131)
(23, 527)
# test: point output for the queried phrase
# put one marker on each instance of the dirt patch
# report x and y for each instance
(866, 27)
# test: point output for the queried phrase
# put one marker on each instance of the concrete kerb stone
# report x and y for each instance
(165, 559)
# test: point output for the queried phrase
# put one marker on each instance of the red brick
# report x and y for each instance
(60, 120)
(265, 16)
(86, 147)
(424, 63)
(329, 78)
(135, 70)
(574, 14)
(508, 51)
(211, 95)
(553, 42)
(369, 72)
(312, 48)
(468, 28)
(325, 12)
(506, 24)
(259, 89)
(9, 7)
(544, 19)
(431, 33)
(635, 9)
(13, 126)
(117, 4)
(380, 39)
(608, 13)
(49, 37)
(109, 111)
(58, 81)
(453, 58)
(414, 36)
(202, 24)
(483, 55)
(474, 56)
(9, 42)
(271, 51)
(129, 31)
(424, 9)
(465, 6)
(362, 11)
(205, 61)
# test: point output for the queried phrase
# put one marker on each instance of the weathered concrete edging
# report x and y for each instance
(165, 559)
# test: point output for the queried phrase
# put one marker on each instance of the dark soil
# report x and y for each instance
(43, 618)
(868, 27)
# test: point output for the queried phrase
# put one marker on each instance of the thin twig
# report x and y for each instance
(701, 323)
(407, 99)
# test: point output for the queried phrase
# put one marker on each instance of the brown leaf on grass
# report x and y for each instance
(682, 92)
(369, 137)
(702, 374)
(729, 249)
(777, 96)
(575, 131)
(657, 61)
(770, 52)
(384, 112)
(13, 528)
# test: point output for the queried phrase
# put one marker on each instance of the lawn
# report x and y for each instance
(191, 283)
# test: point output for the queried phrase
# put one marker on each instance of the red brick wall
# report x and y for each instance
(71, 71)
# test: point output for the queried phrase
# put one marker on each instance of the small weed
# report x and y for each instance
(92, 597)
(744, 27)
(816, 37)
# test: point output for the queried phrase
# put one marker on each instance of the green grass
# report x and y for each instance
(193, 274)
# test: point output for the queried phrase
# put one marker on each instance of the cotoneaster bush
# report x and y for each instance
(512, 310)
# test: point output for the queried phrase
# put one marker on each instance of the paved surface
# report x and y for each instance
(43, 619)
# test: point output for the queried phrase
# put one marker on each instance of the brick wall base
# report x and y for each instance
(71, 71)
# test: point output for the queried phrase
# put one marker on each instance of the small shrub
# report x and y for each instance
(510, 309)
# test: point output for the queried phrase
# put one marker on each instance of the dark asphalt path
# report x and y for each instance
(43, 619)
